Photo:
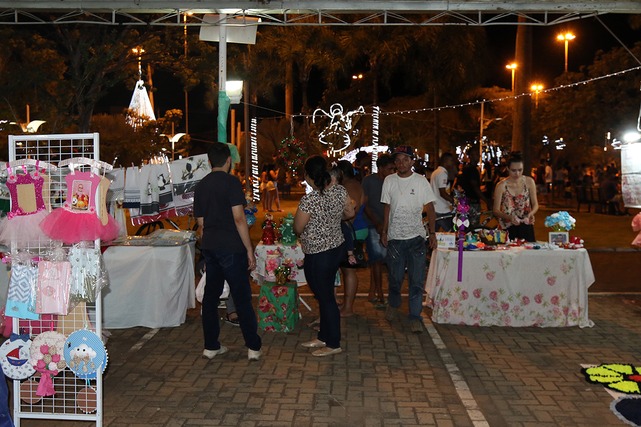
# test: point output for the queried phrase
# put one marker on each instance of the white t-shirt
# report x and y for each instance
(406, 198)
(438, 180)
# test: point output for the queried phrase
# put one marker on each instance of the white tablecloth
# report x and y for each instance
(515, 287)
(151, 286)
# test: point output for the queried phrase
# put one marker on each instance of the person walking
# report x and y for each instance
(406, 195)
(440, 182)
(219, 202)
(374, 212)
(318, 224)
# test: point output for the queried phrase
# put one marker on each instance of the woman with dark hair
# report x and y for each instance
(318, 223)
(357, 227)
(515, 201)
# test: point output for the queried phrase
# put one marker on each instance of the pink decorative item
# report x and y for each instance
(636, 226)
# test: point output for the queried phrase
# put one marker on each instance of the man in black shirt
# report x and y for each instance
(219, 209)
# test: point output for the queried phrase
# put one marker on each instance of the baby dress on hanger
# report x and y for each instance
(77, 219)
(28, 207)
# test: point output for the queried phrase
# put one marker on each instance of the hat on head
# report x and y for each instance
(404, 149)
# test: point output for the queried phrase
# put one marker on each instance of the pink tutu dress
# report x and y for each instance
(77, 219)
(27, 208)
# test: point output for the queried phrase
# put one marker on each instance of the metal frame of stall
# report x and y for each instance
(62, 406)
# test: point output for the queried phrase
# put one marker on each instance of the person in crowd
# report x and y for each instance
(440, 182)
(362, 165)
(548, 181)
(487, 180)
(406, 195)
(515, 202)
(356, 225)
(219, 201)
(470, 183)
(376, 252)
(318, 224)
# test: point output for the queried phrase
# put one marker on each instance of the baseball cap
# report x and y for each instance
(404, 149)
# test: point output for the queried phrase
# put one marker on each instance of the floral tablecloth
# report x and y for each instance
(515, 287)
(270, 257)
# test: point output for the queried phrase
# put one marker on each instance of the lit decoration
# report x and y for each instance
(253, 140)
(292, 153)
(505, 98)
(338, 133)
(351, 156)
(376, 117)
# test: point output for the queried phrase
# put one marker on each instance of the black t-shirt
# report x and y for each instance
(469, 178)
(213, 199)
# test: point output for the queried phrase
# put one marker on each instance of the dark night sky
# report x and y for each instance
(548, 59)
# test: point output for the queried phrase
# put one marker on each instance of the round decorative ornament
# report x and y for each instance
(14, 357)
(87, 400)
(29, 392)
(47, 358)
(85, 354)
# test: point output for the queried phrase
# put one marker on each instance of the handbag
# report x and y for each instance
(359, 254)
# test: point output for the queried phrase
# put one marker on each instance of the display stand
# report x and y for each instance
(67, 403)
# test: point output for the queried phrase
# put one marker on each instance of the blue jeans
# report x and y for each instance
(320, 271)
(376, 252)
(232, 267)
(411, 254)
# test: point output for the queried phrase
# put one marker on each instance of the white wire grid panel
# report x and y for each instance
(64, 405)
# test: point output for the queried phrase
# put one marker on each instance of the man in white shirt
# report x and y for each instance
(440, 182)
(405, 196)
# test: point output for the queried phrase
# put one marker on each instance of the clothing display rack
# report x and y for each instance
(67, 403)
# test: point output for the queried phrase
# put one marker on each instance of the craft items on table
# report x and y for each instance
(28, 207)
(14, 357)
(47, 358)
(250, 209)
(269, 233)
(77, 220)
(288, 237)
(156, 195)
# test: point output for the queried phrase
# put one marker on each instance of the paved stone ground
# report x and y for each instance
(447, 376)
(386, 375)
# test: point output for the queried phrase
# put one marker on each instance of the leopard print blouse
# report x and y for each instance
(323, 231)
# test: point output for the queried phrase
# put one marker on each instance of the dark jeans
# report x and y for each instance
(411, 254)
(320, 271)
(232, 267)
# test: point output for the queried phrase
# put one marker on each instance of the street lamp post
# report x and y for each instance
(566, 38)
(536, 88)
(512, 67)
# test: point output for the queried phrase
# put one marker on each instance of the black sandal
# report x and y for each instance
(234, 321)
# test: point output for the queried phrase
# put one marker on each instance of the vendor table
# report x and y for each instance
(269, 257)
(151, 286)
(515, 287)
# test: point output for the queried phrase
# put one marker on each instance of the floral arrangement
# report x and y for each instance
(560, 221)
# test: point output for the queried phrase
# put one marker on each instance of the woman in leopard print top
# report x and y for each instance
(318, 223)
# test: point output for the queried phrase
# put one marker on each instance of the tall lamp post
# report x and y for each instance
(566, 39)
(512, 67)
(536, 88)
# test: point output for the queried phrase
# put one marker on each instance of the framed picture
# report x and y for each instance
(559, 237)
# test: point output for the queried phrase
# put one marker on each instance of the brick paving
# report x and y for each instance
(386, 375)
(449, 375)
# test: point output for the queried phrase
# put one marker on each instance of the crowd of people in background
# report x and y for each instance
(394, 212)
